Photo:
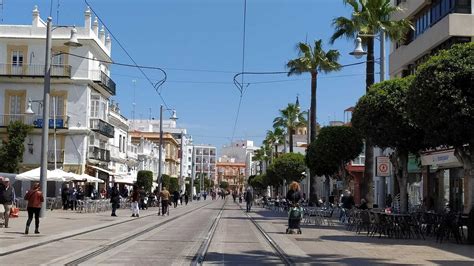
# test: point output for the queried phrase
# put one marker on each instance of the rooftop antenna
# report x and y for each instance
(57, 13)
(1, 6)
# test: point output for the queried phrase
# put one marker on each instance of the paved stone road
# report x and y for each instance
(236, 240)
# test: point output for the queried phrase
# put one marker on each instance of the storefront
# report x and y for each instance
(443, 180)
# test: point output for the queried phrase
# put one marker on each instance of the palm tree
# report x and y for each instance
(290, 118)
(313, 60)
(260, 155)
(273, 138)
(369, 18)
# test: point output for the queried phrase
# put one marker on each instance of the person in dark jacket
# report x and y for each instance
(186, 198)
(249, 199)
(114, 199)
(363, 205)
(64, 197)
(143, 198)
(175, 198)
(293, 196)
(7, 198)
(34, 198)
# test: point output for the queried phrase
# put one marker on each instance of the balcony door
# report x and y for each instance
(14, 106)
(17, 60)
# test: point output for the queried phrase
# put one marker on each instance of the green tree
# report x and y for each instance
(313, 60)
(174, 184)
(369, 18)
(289, 167)
(145, 179)
(333, 149)
(166, 181)
(441, 102)
(272, 178)
(259, 184)
(261, 156)
(188, 185)
(224, 185)
(381, 115)
(290, 118)
(11, 151)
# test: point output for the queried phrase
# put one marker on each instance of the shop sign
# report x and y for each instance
(383, 166)
(441, 159)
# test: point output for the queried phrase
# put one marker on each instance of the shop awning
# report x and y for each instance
(102, 169)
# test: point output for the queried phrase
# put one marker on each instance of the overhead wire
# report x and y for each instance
(242, 89)
(156, 85)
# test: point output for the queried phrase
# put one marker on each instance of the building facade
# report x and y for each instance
(204, 163)
(438, 25)
(232, 172)
(80, 93)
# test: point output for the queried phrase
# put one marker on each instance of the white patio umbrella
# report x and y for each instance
(34, 175)
(83, 178)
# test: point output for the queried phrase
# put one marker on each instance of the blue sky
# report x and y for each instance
(207, 35)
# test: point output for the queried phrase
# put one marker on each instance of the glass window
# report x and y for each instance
(56, 102)
(17, 58)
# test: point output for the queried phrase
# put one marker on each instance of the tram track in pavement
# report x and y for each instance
(126, 239)
(200, 257)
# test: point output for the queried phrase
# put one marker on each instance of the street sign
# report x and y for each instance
(383, 166)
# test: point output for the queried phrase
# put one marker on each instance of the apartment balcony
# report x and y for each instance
(104, 81)
(36, 121)
(34, 71)
(59, 156)
(102, 127)
(97, 153)
(132, 152)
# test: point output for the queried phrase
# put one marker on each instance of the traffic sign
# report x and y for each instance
(383, 166)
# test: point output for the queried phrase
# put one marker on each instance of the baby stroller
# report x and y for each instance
(295, 214)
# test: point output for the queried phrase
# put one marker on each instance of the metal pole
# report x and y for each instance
(45, 129)
(160, 153)
(193, 173)
(54, 135)
(181, 163)
(382, 55)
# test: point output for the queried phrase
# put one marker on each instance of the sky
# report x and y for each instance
(199, 44)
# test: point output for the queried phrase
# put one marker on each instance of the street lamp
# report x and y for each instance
(358, 51)
(47, 88)
(160, 152)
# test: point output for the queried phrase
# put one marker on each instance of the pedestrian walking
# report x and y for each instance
(135, 198)
(114, 199)
(186, 198)
(175, 198)
(143, 198)
(7, 198)
(72, 198)
(249, 198)
(64, 196)
(165, 199)
(34, 198)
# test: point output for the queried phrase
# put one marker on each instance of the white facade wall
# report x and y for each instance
(78, 87)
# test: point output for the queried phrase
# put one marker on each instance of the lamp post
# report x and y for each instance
(46, 94)
(358, 53)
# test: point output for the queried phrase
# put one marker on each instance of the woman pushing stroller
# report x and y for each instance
(295, 212)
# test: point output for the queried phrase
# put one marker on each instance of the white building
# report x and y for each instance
(180, 134)
(438, 25)
(81, 89)
(123, 154)
(204, 162)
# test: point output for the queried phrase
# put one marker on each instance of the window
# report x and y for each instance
(14, 105)
(98, 107)
(57, 105)
(17, 58)
(120, 143)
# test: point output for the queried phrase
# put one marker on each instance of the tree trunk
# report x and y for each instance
(313, 197)
(399, 161)
(367, 181)
(290, 132)
(276, 151)
(314, 77)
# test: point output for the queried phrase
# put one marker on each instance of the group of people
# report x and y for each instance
(34, 196)
(140, 199)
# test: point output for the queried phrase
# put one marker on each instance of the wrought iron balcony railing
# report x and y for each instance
(15, 70)
(102, 127)
(97, 153)
(34, 120)
(104, 81)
